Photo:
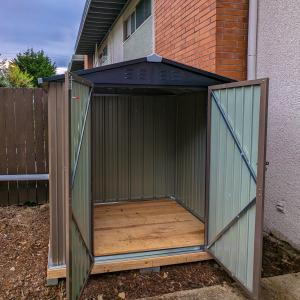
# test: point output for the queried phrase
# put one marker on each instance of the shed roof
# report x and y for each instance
(151, 72)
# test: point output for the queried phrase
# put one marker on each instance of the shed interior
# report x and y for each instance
(148, 171)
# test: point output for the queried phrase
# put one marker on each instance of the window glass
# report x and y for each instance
(132, 19)
(140, 13)
(103, 56)
(147, 8)
(128, 27)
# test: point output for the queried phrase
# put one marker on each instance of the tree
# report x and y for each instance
(35, 64)
(4, 82)
(17, 78)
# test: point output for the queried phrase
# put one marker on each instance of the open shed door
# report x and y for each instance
(237, 123)
(79, 200)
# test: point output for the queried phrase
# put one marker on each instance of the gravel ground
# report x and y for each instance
(24, 236)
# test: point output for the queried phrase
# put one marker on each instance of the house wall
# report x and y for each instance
(114, 44)
(207, 34)
(278, 58)
(139, 44)
(231, 38)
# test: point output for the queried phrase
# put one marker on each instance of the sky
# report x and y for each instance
(49, 25)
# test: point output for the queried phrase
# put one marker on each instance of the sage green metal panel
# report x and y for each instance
(231, 187)
(190, 152)
(80, 210)
(81, 192)
(81, 263)
(81, 189)
(79, 100)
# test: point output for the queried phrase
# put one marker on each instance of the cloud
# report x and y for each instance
(48, 25)
(61, 70)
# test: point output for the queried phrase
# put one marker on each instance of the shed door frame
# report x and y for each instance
(260, 180)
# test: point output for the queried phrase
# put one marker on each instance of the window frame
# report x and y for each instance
(127, 32)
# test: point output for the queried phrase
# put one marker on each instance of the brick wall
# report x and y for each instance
(207, 34)
(88, 61)
(232, 36)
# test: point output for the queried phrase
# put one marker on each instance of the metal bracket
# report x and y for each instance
(235, 138)
(81, 138)
(231, 223)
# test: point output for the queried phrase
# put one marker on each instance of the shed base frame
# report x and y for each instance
(119, 264)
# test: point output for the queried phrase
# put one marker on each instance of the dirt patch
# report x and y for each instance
(279, 257)
(24, 237)
(133, 284)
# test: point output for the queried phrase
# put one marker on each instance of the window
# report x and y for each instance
(103, 56)
(132, 21)
(137, 18)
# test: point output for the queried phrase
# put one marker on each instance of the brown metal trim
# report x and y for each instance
(92, 176)
(260, 188)
(207, 166)
(81, 79)
(237, 84)
(68, 188)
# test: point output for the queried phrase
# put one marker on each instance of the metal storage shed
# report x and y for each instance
(152, 163)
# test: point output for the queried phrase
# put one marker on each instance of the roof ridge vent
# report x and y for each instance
(154, 58)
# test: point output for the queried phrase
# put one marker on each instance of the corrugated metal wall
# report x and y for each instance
(150, 147)
(57, 184)
(134, 147)
(190, 152)
(231, 186)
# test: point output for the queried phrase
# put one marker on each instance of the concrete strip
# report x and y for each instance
(216, 292)
(281, 287)
(284, 287)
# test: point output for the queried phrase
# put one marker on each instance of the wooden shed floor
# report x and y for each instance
(144, 226)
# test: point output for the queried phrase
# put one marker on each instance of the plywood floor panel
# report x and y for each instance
(144, 226)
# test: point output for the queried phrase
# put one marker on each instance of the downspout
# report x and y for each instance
(252, 39)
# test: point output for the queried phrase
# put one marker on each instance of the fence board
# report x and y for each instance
(41, 134)
(24, 150)
(11, 150)
(3, 158)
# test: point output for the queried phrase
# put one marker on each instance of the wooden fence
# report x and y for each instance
(23, 144)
